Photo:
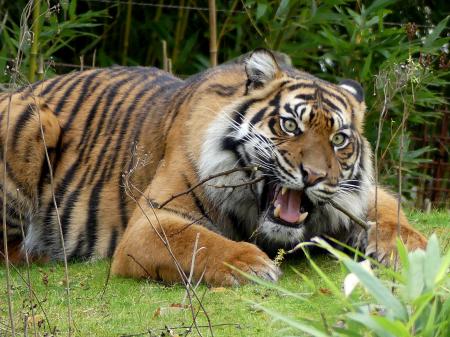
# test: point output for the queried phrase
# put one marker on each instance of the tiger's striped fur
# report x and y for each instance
(223, 118)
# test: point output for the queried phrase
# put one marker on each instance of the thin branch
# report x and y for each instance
(201, 182)
(246, 183)
(5, 232)
(356, 219)
(140, 265)
(27, 261)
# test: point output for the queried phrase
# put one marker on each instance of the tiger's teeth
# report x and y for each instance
(284, 190)
(302, 217)
(277, 211)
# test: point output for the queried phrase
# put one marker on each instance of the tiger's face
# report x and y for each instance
(305, 137)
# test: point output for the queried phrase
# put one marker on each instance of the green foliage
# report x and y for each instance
(403, 67)
(417, 303)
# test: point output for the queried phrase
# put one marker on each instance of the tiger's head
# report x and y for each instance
(305, 137)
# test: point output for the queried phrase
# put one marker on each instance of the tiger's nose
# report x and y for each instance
(311, 176)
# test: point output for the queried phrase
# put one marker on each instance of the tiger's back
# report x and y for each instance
(95, 124)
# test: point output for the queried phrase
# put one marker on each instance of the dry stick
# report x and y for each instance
(246, 183)
(177, 264)
(27, 261)
(58, 218)
(33, 292)
(201, 182)
(165, 242)
(237, 325)
(377, 146)
(212, 32)
(191, 272)
(5, 235)
(35, 43)
(93, 57)
(357, 220)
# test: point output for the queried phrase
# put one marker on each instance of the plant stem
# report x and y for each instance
(35, 43)
(212, 33)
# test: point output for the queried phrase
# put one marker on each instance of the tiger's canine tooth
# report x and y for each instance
(302, 217)
(284, 190)
(277, 211)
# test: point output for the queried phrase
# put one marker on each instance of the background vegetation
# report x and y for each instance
(398, 50)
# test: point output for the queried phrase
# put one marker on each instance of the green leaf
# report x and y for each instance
(261, 10)
(378, 290)
(433, 261)
(305, 327)
(378, 4)
(415, 274)
(430, 38)
(369, 322)
(283, 9)
(443, 269)
(72, 10)
(403, 254)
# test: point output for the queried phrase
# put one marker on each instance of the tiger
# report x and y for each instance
(209, 175)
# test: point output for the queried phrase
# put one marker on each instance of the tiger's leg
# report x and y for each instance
(25, 163)
(382, 242)
(142, 254)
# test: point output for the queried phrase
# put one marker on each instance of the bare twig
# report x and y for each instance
(5, 232)
(27, 261)
(140, 265)
(58, 218)
(203, 181)
(165, 241)
(246, 183)
(357, 220)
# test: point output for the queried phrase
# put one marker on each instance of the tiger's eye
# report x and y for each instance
(289, 125)
(339, 139)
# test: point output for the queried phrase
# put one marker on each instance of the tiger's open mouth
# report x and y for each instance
(286, 206)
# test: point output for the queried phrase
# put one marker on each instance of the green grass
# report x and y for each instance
(128, 306)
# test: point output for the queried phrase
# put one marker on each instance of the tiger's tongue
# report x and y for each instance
(290, 205)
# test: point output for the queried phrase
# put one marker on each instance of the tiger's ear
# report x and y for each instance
(261, 68)
(354, 88)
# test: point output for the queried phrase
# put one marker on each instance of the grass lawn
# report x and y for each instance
(131, 307)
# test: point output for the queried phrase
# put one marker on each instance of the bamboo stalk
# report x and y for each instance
(126, 37)
(165, 61)
(35, 42)
(212, 32)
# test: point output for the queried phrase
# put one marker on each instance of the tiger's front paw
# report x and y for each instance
(382, 243)
(245, 257)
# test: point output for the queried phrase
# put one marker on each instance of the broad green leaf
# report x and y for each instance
(397, 328)
(283, 9)
(415, 274)
(369, 322)
(434, 35)
(443, 269)
(433, 261)
(378, 290)
(403, 254)
(261, 10)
